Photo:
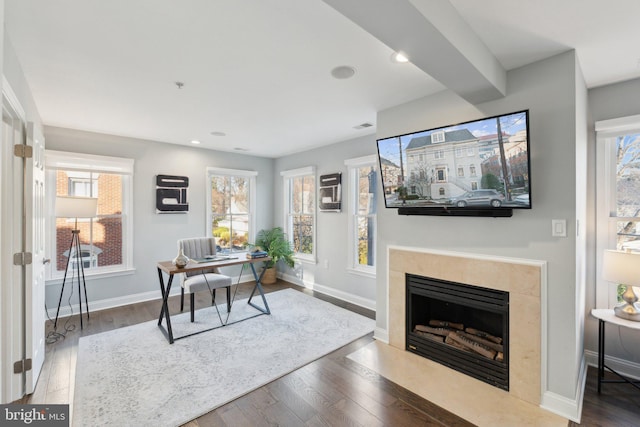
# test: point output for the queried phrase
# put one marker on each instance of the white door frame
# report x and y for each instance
(11, 275)
(22, 282)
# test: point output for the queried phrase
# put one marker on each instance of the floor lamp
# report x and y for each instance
(75, 207)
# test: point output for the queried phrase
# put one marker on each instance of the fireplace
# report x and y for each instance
(461, 326)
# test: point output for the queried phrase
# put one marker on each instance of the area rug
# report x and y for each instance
(133, 376)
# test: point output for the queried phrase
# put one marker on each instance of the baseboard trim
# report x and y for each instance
(623, 367)
(564, 406)
(336, 293)
(381, 335)
(108, 303)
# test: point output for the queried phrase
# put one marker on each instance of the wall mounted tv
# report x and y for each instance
(476, 168)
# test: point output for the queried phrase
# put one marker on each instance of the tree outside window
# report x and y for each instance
(231, 200)
(302, 213)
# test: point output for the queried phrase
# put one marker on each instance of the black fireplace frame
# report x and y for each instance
(492, 301)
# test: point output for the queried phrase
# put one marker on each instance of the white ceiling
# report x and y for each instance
(260, 70)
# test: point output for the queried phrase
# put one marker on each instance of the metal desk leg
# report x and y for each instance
(258, 286)
(600, 353)
(164, 311)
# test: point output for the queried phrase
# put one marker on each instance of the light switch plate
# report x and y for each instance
(559, 228)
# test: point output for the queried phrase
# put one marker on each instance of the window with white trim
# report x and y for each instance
(106, 242)
(362, 190)
(618, 196)
(231, 201)
(300, 211)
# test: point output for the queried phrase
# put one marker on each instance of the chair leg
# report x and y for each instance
(181, 299)
(213, 297)
(193, 303)
(228, 299)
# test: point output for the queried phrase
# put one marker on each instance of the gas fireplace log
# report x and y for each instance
(456, 344)
(500, 357)
(432, 337)
(472, 345)
(486, 335)
(485, 342)
(437, 331)
(445, 324)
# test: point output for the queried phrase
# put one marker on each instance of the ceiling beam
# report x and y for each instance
(436, 39)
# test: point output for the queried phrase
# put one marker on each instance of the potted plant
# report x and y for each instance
(276, 244)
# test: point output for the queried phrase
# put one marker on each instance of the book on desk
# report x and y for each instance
(257, 254)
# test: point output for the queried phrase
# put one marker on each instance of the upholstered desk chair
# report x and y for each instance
(204, 280)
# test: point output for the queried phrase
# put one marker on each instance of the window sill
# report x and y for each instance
(98, 275)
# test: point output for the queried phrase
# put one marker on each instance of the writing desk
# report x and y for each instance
(171, 270)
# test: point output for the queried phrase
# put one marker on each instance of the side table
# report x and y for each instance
(608, 316)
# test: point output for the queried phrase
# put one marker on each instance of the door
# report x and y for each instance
(11, 283)
(22, 252)
(35, 272)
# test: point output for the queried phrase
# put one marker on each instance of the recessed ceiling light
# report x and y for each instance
(343, 72)
(216, 133)
(399, 57)
(195, 141)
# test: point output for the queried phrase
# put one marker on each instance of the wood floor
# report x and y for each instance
(332, 391)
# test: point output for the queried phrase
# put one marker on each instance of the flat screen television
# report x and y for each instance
(475, 168)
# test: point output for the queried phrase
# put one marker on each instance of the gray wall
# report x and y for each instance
(331, 234)
(155, 235)
(548, 89)
(608, 102)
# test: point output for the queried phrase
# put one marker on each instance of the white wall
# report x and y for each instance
(155, 235)
(548, 89)
(331, 237)
(609, 102)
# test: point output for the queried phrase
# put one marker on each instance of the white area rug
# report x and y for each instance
(133, 377)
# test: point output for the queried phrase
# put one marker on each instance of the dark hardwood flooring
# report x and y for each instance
(331, 391)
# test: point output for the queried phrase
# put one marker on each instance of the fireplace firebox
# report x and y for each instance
(461, 326)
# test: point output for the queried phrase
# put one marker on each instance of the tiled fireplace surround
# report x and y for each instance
(521, 279)
(474, 400)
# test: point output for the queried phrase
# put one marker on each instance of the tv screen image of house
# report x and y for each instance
(477, 164)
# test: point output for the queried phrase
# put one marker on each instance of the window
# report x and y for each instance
(459, 152)
(461, 171)
(106, 244)
(362, 189)
(618, 195)
(474, 185)
(437, 137)
(300, 208)
(230, 202)
(441, 175)
(439, 154)
(472, 170)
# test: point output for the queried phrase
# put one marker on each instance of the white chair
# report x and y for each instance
(209, 279)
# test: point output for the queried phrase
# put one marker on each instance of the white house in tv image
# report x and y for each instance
(443, 164)
(479, 162)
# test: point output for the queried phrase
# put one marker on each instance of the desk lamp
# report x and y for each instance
(623, 267)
